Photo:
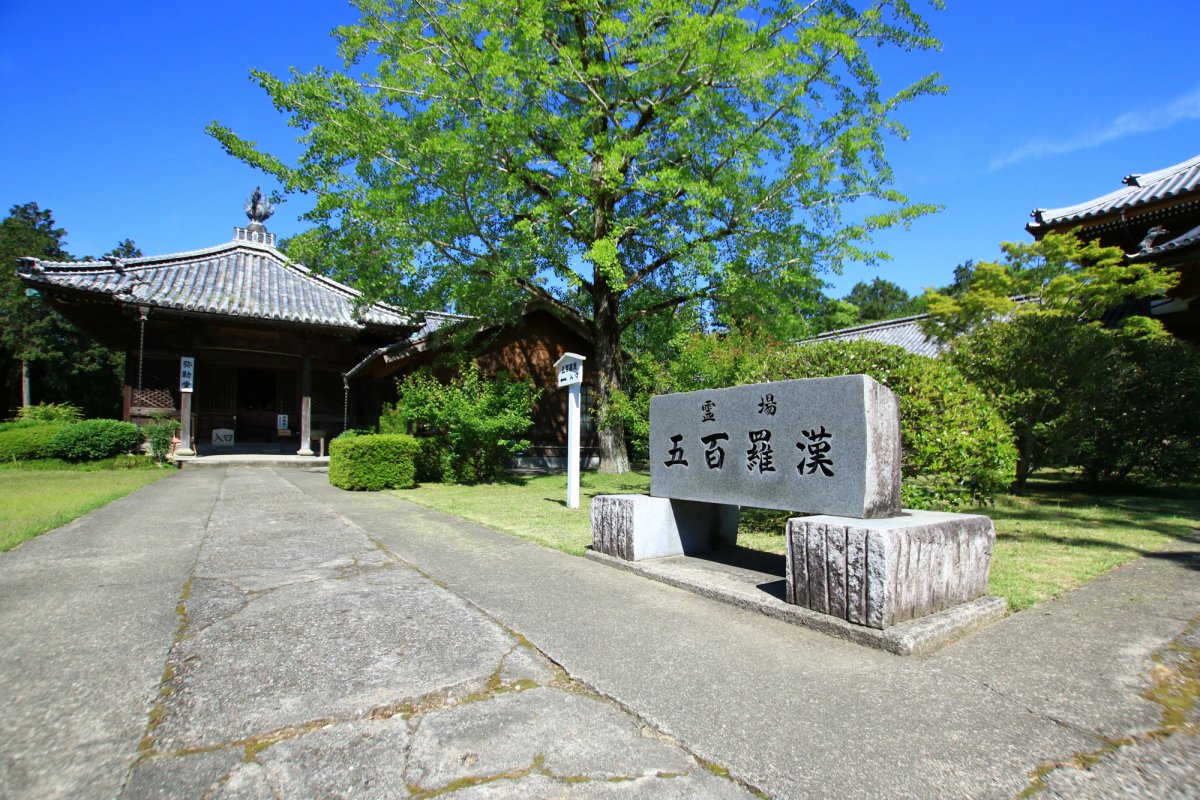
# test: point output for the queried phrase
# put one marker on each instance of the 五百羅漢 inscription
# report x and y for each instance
(821, 446)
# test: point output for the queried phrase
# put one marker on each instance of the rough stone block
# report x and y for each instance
(884, 571)
(817, 446)
(634, 526)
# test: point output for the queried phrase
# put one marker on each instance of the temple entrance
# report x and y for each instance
(257, 404)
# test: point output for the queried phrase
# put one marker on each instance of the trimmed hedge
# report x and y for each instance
(95, 439)
(28, 441)
(373, 462)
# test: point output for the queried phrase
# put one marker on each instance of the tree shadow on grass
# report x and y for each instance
(1177, 521)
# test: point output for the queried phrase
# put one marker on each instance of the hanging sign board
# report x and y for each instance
(570, 369)
(187, 373)
(281, 422)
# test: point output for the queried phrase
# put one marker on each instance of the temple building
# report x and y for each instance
(278, 357)
(1154, 218)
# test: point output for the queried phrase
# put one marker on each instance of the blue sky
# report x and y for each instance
(1049, 104)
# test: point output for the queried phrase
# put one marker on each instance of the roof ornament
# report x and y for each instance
(258, 210)
(1148, 243)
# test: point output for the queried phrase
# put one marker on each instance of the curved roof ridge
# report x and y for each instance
(1173, 181)
(269, 285)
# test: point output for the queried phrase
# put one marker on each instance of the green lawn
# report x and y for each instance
(37, 499)
(1048, 541)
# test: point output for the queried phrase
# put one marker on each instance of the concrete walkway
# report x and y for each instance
(253, 632)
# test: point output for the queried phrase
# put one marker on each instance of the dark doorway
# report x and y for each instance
(256, 402)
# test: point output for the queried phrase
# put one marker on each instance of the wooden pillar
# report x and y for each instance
(306, 408)
(185, 426)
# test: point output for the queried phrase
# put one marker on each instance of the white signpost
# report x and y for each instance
(187, 377)
(570, 373)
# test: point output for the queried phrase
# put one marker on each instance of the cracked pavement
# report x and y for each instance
(256, 633)
(311, 662)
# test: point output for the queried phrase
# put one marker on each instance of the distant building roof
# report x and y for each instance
(904, 332)
(424, 340)
(1140, 190)
(245, 278)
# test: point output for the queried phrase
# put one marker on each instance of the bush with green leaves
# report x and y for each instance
(476, 424)
(1082, 395)
(372, 462)
(159, 434)
(50, 412)
(26, 442)
(958, 451)
(94, 439)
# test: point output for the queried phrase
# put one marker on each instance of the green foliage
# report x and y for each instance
(50, 412)
(1059, 275)
(1145, 425)
(478, 424)
(372, 462)
(1115, 405)
(63, 362)
(957, 449)
(31, 440)
(355, 432)
(882, 300)
(95, 439)
(628, 159)
(1051, 365)
(159, 433)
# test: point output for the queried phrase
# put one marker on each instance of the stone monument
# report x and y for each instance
(828, 447)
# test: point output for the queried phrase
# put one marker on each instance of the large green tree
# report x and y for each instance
(626, 158)
(882, 300)
(1043, 333)
(30, 329)
(43, 357)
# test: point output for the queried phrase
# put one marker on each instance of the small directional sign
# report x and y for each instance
(570, 373)
(570, 369)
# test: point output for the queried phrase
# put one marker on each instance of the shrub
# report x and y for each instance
(1113, 404)
(159, 433)
(476, 424)
(433, 462)
(373, 462)
(957, 449)
(94, 439)
(355, 432)
(50, 412)
(28, 441)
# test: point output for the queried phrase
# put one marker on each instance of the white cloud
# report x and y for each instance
(1133, 122)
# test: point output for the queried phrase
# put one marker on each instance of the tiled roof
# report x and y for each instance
(1186, 239)
(435, 320)
(239, 279)
(1176, 181)
(905, 332)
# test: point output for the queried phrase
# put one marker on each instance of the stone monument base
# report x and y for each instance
(880, 572)
(754, 590)
(634, 526)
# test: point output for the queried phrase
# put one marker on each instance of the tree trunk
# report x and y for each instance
(1024, 459)
(606, 341)
(26, 398)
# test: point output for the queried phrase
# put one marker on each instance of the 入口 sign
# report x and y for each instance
(570, 369)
